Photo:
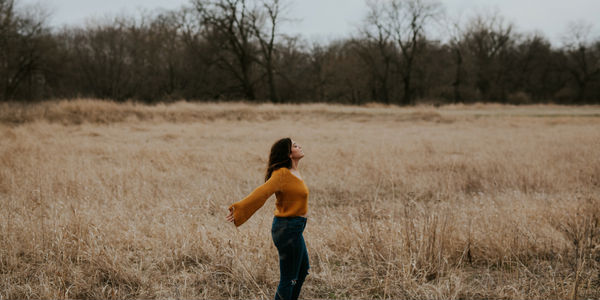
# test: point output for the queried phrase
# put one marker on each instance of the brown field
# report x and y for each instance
(105, 200)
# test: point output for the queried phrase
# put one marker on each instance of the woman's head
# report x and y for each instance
(282, 153)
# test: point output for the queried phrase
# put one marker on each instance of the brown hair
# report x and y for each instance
(280, 156)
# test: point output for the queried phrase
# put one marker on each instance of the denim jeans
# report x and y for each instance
(293, 257)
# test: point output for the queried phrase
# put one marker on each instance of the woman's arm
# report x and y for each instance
(241, 211)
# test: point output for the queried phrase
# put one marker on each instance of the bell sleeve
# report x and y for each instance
(245, 208)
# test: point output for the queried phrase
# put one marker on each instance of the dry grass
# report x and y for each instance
(104, 200)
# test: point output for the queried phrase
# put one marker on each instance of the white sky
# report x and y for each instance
(328, 19)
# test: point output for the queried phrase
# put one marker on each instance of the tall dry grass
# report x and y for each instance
(105, 200)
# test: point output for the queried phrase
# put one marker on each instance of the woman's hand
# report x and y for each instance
(229, 217)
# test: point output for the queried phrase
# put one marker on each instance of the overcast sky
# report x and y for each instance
(327, 19)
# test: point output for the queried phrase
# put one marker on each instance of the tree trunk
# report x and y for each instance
(457, 77)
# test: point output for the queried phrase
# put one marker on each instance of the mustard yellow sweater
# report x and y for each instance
(290, 191)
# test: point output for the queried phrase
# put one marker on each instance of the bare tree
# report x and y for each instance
(537, 72)
(7, 19)
(204, 73)
(162, 54)
(456, 42)
(22, 45)
(228, 22)
(583, 63)
(409, 19)
(7, 37)
(265, 21)
(295, 82)
(404, 22)
(111, 55)
(489, 38)
(378, 37)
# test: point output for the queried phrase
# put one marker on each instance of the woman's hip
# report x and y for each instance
(289, 223)
(286, 230)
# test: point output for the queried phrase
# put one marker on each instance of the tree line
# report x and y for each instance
(233, 49)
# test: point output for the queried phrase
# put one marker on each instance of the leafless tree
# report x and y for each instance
(537, 72)
(404, 23)
(102, 52)
(409, 19)
(489, 38)
(376, 49)
(583, 63)
(159, 56)
(7, 37)
(265, 20)
(456, 42)
(229, 23)
(205, 76)
(22, 45)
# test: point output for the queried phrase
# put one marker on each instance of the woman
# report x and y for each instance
(282, 179)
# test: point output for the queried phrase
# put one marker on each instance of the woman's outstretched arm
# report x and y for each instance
(241, 211)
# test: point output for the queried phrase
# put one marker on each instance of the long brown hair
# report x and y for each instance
(280, 156)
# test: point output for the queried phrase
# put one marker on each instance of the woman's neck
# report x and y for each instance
(295, 164)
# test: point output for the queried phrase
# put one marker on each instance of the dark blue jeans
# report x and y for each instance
(293, 257)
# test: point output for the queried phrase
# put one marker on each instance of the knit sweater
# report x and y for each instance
(290, 191)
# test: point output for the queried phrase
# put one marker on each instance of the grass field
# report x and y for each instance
(105, 200)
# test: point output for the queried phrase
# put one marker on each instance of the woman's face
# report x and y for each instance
(297, 152)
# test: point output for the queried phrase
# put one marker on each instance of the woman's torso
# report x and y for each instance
(292, 199)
